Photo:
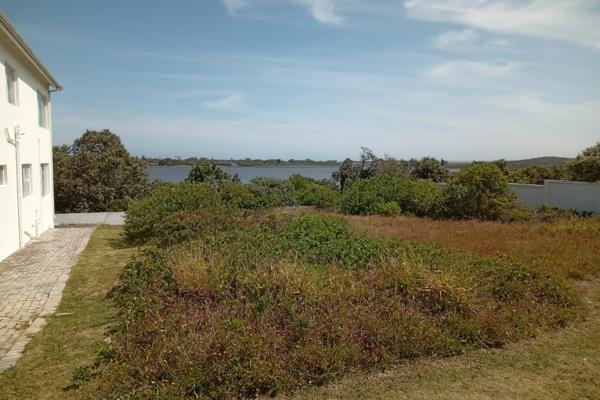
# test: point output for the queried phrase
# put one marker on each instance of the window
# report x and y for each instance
(27, 181)
(3, 177)
(42, 110)
(11, 84)
(45, 178)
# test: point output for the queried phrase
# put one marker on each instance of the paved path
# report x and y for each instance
(31, 285)
(100, 218)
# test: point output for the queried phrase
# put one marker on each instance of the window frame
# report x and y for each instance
(14, 84)
(42, 106)
(45, 179)
(3, 175)
(26, 180)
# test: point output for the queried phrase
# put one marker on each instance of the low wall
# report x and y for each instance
(532, 196)
(580, 196)
(102, 218)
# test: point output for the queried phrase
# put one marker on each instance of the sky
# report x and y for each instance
(454, 79)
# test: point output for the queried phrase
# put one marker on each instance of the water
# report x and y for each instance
(180, 172)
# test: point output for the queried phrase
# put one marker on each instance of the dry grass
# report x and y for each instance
(570, 248)
(559, 365)
(563, 365)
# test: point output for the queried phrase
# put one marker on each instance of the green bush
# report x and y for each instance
(317, 195)
(271, 192)
(210, 173)
(237, 195)
(419, 197)
(586, 166)
(480, 191)
(144, 215)
(390, 208)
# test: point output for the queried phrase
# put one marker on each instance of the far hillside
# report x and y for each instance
(516, 164)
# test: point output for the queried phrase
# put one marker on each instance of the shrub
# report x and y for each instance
(145, 215)
(586, 167)
(317, 195)
(390, 208)
(210, 173)
(479, 191)
(237, 195)
(420, 197)
(537, 174)
(271, 192)
(429, 168)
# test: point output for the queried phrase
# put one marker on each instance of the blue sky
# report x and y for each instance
(458, 79)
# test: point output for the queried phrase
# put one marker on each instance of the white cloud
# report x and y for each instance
(234, 102)
(233, 6)
(456, 39)
(466, 69)
(467, 40)
(323, 11)
(499, 43)
(571, 20)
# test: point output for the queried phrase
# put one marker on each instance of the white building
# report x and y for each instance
(26, 186)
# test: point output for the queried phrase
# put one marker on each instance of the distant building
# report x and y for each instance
(26, 185)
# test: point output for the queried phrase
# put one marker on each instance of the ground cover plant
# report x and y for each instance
(253, 304)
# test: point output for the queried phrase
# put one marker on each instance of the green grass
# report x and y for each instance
(71, 340)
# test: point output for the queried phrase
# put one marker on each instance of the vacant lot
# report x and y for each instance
(244, 305)
(570, 247)
(559, 365)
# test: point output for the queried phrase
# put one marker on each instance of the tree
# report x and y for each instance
(97, 174)
(586, 166)
(368, 163)
(210, 173)
(479, 191)
(429, 168)
(537, 174)
(347, 173)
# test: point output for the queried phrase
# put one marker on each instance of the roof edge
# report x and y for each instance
(22, 45)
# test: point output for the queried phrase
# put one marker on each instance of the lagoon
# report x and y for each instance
(178, 173)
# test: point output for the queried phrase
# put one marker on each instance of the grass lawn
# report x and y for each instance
(71, 340)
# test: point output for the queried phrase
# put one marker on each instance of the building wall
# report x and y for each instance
(532, 196)
(580, 196)
(35, 149)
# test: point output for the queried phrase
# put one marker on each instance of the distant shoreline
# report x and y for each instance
(250, 166)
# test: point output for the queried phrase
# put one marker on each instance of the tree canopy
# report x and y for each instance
(586, 166)
(96, 173)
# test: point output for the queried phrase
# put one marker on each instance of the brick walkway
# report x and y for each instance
(31, 285)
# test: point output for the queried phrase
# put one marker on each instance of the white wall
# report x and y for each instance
(532, 196)
(35, 149)
(581, 196)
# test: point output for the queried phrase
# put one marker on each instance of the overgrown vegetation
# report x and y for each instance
(228, 303)
(586, 167)
(96, 173)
